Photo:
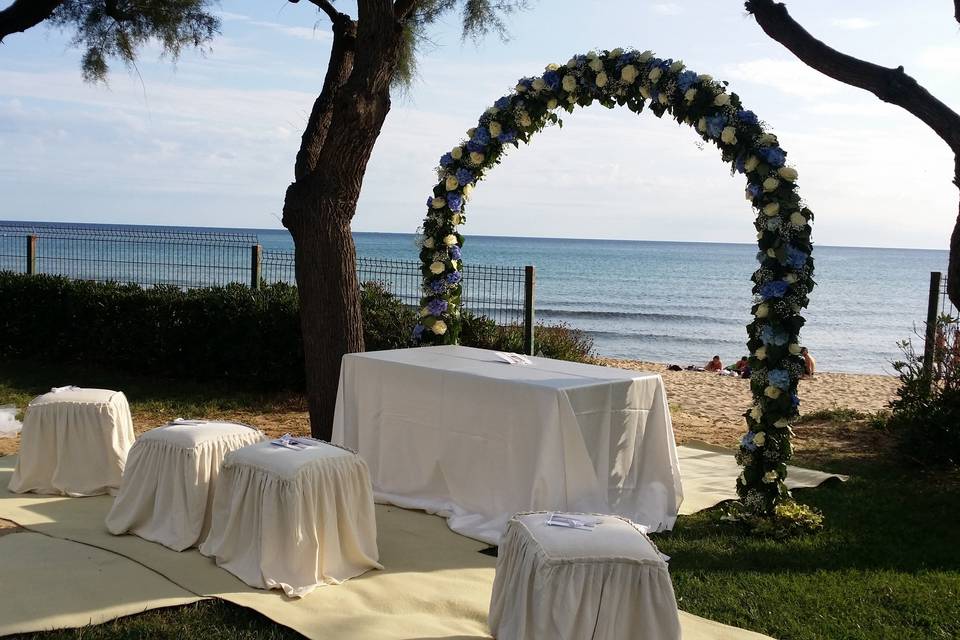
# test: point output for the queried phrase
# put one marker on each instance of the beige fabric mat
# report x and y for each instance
(709, 475)
(435, 585)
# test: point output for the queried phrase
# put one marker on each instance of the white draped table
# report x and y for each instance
(458, 432)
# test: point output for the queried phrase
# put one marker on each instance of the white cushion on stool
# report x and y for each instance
(606, 584)
(293, 520)
(74, 443)
(168, 486)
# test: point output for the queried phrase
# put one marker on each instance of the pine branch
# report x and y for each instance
(403, 8)
(331, 11)
(23, 14)
(890, 85)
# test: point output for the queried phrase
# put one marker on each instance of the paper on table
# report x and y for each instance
(571, 522)
(513, 358)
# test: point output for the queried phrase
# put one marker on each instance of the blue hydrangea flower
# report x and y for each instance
(507, 137)
(754, 190)
(747, 441)
(454, 201)
(774, 156)
(740, 165)
(795, 257)
(454, 277)
(438, 286)
(446, 159)
(502, 103)
(715, 125)
(686, 80)
(464, 176)
(794, 400)
(552, 80)
(779, 378)
(654, 96)
(771, 336)
(429, 200)
(455, 253)
(437, 306)
(481, 135)
(476, 147)
(774, 289)
(761, 256)
(747, 116)
(418, 331)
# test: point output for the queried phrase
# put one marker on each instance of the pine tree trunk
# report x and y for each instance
(330, 320)
(953, 272)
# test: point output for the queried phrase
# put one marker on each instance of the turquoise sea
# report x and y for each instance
(681, 302)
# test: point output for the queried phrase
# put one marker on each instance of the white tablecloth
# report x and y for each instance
(458, 432)
(170, 478)
(74, 443)
(293, 520)
(609, 583)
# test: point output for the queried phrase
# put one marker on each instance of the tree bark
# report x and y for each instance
(23, 14)
(343, 127)
(890, 85)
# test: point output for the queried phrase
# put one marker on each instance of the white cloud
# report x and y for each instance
(317, 32)
(853, 24)
(944, 58)
(667, 8)
(791, 77)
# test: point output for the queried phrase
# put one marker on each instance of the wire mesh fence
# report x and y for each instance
(193, 259)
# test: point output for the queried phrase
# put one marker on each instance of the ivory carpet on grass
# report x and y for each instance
(436, 584)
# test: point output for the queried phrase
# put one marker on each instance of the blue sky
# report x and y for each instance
(211, 141)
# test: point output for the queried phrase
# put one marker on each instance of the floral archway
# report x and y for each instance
(639, 81)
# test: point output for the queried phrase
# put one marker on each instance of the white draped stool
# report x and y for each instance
(168, 486)
(293, 519)
(603, 584)
(74, 442)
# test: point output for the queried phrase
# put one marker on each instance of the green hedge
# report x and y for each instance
(233, 334)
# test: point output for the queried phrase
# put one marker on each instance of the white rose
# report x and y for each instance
(571, 99)
(457, 153)
(760, 353)
(771, 253)
(467, 191)
(759, 439)
(794, 348)
(751, 163)
(722, 99)
(790, 278)
(438, 203)
(601, 79)
(428, 243)
(705, 77)
(552, 66)
(690, 94)
(572, 62)
(471, 131)
(655, 74)
(702, 125)
(729, 135)
(491, 111)
(677, 66)
(772, 209)
(439, 327)
(437, 268)
(770, 477)
(520, 87)
(788, 173)
(596, 64)
(456, 218)
(645, 92)
(523, 118)
(450, 240)
(569, 83)
(797, 219)
(552, 104)
(451, 183)
(645, 56)
(629, 74)
(772, 392)
(592, 55)
(756, 413)
(768, 139)
(616, 53)
(476, 157)
(781, 423)
(494, 128)
(662, 98)
(539, 84)
(762, 311)
(770, 184)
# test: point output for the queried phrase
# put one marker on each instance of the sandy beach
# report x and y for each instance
(704, 406)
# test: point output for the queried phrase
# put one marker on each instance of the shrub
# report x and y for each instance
(559, 341)
(925, 415)
(387, 322)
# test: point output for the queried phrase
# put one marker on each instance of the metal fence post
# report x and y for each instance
(256, 255)
(933, 307)
(31, 255)
(529, 285)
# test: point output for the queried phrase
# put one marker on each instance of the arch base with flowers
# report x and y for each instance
(781, 284)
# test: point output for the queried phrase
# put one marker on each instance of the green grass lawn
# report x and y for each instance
(887, 564)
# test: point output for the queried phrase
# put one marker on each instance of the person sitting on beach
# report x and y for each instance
(714, 365)
(738, 365)
(809, 364)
